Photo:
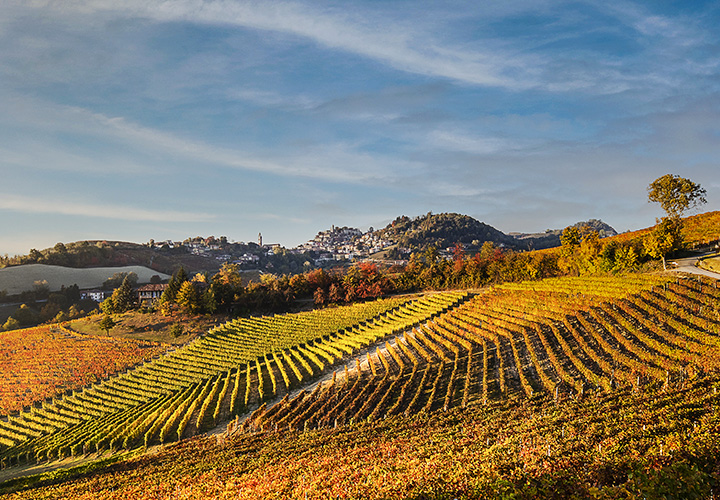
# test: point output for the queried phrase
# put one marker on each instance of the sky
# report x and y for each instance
(138, 119)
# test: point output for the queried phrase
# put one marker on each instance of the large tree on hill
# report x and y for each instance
(676, 195)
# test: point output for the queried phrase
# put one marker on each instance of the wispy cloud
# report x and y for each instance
(454, 140)
(322, 109)
(408, 41)
(271, 99)
(393, 42)
(445, 188)
(335, 162)
(28, 204)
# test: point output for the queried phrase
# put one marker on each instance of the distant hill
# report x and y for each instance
(446, 229)
(92, 254)
(18, 279)
(551, 237)
(443, 231)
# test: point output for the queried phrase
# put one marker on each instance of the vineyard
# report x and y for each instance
(556, 385)
(233, 368)
(38, 363)
(562, 337)
(656, 443)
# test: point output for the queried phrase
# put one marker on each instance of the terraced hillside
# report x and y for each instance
(226, 372)
(563, 337)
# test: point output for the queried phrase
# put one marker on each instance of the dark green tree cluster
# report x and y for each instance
(122, 299)
(41, 306)
(443, 231)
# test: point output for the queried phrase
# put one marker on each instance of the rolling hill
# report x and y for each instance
(601, 384)
(443, 231)
(18, 279)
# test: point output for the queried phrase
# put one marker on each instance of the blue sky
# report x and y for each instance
(142, 119)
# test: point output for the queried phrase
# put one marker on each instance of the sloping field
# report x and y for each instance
(702, 229)
(563, 338)
(571, 387)
(19, 279)
(37, 363)
(711, 264)
(644, 445)
(698, 230)
(233, 368)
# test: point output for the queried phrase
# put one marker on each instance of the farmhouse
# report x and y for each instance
(96, 295)
(148, 294)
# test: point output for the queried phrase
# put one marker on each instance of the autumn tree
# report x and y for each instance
(320, 296)
(570, 240)
(458, 258)
(171, 290)
(188, 298)
(676, 195)
(336, 294)
(107, 323)
(665, 238)
(230, 275)
(11, 324)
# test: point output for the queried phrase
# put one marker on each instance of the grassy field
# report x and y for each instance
(153, 327)
(18, 279)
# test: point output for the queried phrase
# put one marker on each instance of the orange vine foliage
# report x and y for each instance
(37, 363)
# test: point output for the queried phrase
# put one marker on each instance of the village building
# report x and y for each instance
(151, 293)
(96, 295)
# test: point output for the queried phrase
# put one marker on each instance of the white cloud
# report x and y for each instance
(336, 162)
(271, 99)
(28, 204)
(454, 140)
(445, 188)
(420, 40)
(393, 42)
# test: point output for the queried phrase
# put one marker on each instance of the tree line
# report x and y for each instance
(582, 252)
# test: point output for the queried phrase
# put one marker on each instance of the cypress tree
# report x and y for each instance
(123, 298)
(176, 281)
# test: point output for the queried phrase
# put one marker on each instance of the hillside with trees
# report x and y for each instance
(565, 371)
(87, 254)
(443, 231)
(551, 237)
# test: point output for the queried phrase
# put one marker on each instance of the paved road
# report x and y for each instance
(688, 265)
